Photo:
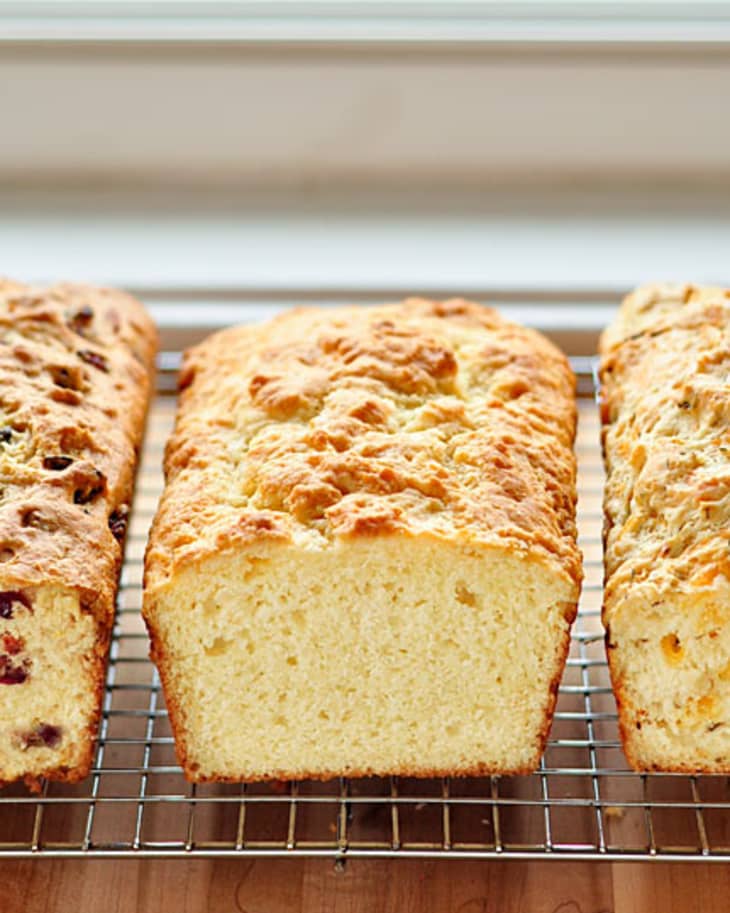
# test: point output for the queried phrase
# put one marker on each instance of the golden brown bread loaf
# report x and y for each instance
(364, 560)
(75, 374)
(666, 413)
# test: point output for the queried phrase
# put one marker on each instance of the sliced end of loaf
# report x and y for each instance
(670, 666)
(51, 677)
(388, 655)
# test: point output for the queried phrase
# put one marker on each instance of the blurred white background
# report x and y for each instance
(536, 152)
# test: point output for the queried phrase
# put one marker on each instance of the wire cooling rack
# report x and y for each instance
(583, 802)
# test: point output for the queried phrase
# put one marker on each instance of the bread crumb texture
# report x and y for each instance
(364, 560)
(666, 414)
(75, 373)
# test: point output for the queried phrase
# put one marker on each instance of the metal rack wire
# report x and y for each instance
(583, 802)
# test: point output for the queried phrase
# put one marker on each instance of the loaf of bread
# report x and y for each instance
(665, 389)
(75, 374)
(364, 560)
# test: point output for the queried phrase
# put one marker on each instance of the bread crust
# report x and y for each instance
(302, 432)
(664, 410)
(76, 372)
(311, 408)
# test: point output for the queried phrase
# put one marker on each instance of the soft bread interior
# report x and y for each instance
(48, 682)
(375, 656)
(671, 667)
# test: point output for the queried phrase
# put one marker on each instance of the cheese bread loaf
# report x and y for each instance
(364, 561)
(665, 387)
(75, 374)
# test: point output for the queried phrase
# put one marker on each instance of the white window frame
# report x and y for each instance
(368, 21)
(305, 93)
(484, 127)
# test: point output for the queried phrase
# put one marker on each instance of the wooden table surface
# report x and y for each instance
(365, 886)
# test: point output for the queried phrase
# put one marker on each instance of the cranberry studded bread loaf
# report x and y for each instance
(75, 373)
(364, 560)
(665, 373)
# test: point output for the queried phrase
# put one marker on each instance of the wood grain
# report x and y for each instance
(365, 886)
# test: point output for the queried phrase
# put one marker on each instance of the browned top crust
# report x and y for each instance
(420, 418)
(666, 410)
(76, 366)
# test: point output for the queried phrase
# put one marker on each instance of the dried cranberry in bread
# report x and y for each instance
(76, 369)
